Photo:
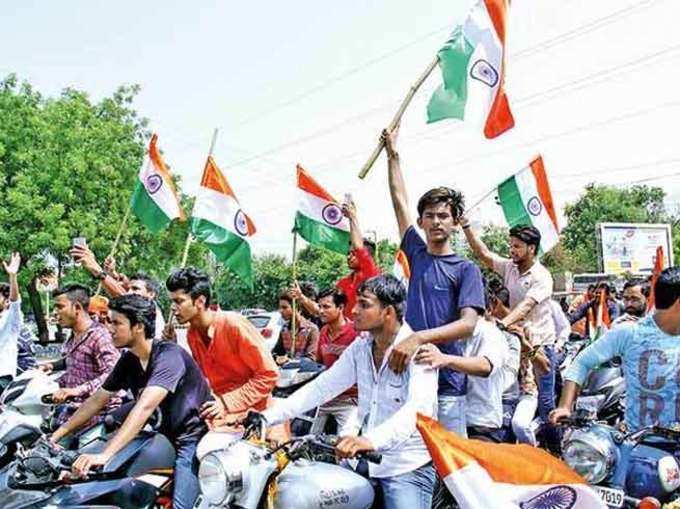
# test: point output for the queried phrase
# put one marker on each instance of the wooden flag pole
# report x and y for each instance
(397, 118)
(293, 321)
(190, 238)
(114, 247)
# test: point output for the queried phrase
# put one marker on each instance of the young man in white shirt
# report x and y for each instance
(388, 402)
(10, 325)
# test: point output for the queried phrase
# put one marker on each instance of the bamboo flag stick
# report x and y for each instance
(293, 321)
(119, 235)
(397, 118)
(187, 244)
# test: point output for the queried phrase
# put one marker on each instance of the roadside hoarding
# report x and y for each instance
(631, 247)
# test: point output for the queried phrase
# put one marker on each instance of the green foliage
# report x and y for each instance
(601, 204)
(67, 168)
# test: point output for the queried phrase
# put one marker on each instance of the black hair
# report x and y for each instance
(527, 234)
(152, 284)
(388, 290)
(454, 199)
(339, 298)
(503, 295)
(285, 295)
(193, 281)
(644, 286)
(75, 293)
(667, 288)
(4, 290)
(369, 245)
(137, 309)
(308, 289)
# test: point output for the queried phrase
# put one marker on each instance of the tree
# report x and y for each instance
(67, 168)
(601, 204)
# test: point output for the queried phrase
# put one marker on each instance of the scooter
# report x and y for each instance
(139, 476)
(624, 468)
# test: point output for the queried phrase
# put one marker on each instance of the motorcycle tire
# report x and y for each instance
(8, 456)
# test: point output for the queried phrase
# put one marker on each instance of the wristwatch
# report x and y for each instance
(100, 275)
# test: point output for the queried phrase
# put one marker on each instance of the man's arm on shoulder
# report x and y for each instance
(334, 381)
(253, 353)
(150, 398)
(422, 398)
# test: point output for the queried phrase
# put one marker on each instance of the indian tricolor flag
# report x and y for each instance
(526, 200)
(219, 222)
(155, 200)
(401, 269)
(319, 218)
(483, 475)
(473, 69)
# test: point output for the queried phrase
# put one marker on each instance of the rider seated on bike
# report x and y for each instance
(230, 352)
(650, 351)
(388, 402)
(160, 374)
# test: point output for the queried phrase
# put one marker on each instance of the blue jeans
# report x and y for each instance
(186, 487)
(412, 490)
(451, 414)
(546, 398)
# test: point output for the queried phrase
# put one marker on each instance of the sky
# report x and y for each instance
(592, 85)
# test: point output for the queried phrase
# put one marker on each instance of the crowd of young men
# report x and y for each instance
(451, 346)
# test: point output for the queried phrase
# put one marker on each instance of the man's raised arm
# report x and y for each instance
(396, 181)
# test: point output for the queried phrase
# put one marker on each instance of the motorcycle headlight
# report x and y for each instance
(221, 475)
(591, 453)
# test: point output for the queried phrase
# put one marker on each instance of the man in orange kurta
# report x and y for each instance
(230, 352)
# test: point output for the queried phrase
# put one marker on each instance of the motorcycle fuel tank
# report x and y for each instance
(306, 485)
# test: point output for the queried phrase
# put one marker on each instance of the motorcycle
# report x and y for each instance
(138, 476)
(249, 473)
(624, 468)
(293, 375)
(25, 406)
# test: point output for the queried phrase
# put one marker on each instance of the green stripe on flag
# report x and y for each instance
(150, 214)
(512, 203)
(321, 234)
(448, 101)
(228, 247)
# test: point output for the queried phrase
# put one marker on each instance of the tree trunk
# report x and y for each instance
(36, 305)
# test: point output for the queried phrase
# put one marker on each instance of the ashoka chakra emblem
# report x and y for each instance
(153, 183)
(558, 497)
(241, 223)
(535, 206)
(332, 214)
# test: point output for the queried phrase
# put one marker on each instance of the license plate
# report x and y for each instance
(611, 496)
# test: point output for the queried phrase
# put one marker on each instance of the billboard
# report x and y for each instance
(631, 247)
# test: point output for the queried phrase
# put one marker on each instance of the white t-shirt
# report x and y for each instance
(484, 399)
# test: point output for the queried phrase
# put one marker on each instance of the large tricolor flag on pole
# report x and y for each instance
(526, 200)
(155, 200)
(473, 70)
(481, 475)
(319, 218)
(219, 221)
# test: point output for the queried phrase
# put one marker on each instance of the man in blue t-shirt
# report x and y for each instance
(160, 374)
(445, 292)
(650, 351)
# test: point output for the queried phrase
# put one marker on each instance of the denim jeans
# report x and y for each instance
(185, 484)
(546, 398)
(523, 420)
(451, 414)
(412, 490)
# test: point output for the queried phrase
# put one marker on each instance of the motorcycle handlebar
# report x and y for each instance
(48, 399)
(371, 457)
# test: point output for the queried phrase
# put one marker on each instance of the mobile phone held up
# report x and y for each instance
(80, 242)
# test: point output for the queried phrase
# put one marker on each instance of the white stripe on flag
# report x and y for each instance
(526, 183)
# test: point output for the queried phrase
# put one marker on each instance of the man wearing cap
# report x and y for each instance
(530, 286)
